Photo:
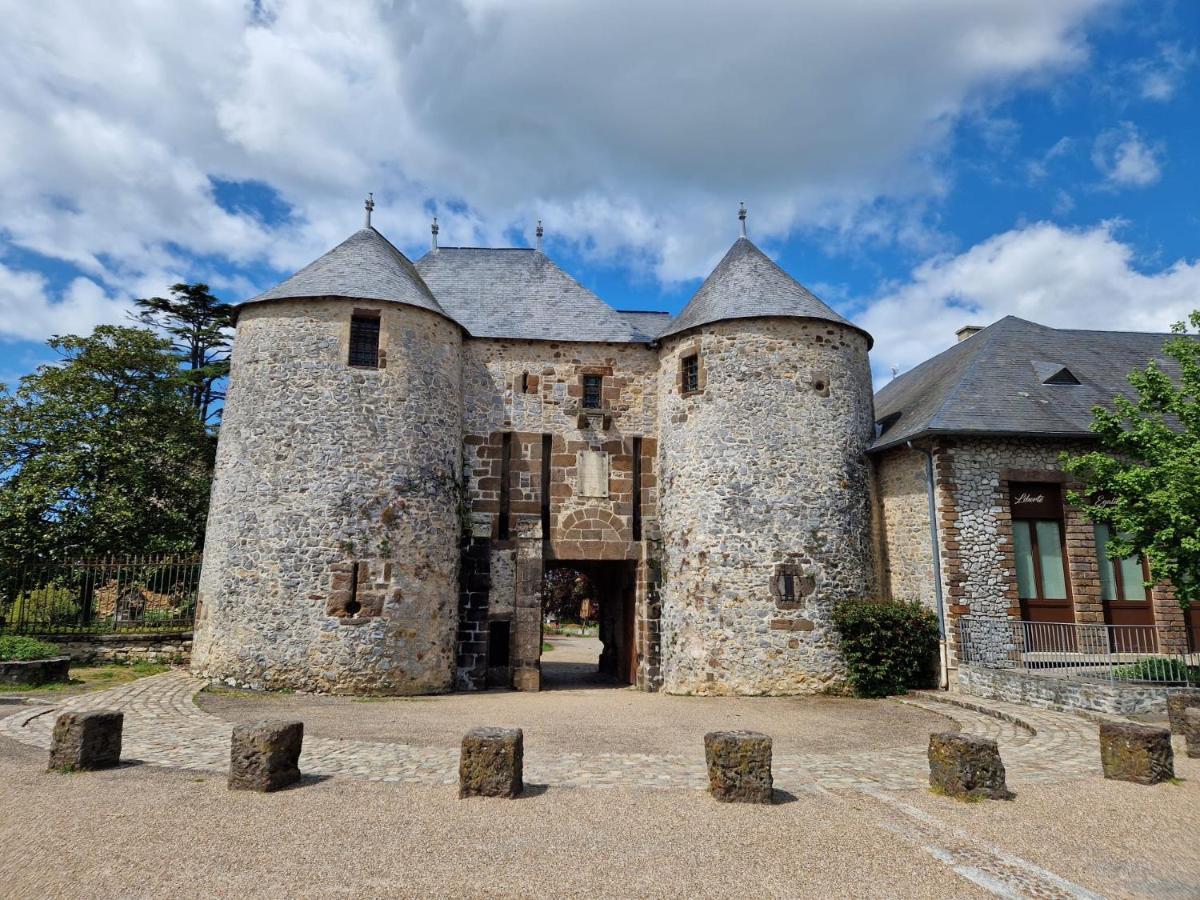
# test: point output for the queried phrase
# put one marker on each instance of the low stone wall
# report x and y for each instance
(166, 647)
(1061, 694)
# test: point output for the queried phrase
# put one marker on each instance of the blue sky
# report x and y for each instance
(920, 164)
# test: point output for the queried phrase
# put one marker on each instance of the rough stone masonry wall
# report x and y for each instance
(332, 553)
(530, 389)
(762, 468)
(975, 530)
(907, 551)
(168, 647)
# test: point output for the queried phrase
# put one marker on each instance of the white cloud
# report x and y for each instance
(1158, 78)
(28, 311)
(1125, 159)
(1060, 277)
(630, 127)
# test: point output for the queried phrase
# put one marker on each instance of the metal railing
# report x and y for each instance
(1139, 654)
(100, 595)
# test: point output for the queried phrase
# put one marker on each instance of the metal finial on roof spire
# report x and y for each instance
(369, 205)
(434, 228)
(742, 216)
(539, 235)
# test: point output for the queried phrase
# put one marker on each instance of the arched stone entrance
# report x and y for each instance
(611, 586)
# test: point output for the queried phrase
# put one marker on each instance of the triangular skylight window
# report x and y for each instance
(1053, 373)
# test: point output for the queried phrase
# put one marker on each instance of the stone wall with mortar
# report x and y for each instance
(167, 647)
(332, 553)
(1062, 694)
(906, 550)
(527, 390)
(762, 468)
(975, 530)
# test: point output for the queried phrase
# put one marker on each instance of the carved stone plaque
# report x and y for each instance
(591, 469)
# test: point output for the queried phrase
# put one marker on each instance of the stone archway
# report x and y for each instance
(611, 585)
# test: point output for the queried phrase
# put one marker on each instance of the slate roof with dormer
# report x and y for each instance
(365, 266)
(748, 284)
(995, 383)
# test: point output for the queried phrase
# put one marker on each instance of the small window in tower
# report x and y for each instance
(524, 382)
(364, 340)
(593, 386)
(787, 590)
(690, 373)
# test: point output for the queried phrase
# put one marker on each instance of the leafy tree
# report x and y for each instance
(199, 326)
(563, 591)
(103, 452)
(1144, 479)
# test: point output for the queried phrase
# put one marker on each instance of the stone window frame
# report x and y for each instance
(820, 382)
(804, 584)
(359, 312)
(686, 352)
(604, 373)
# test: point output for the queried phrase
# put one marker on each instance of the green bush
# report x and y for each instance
(889, 647)
(50, 605)
(18, 647)
(1159, 669)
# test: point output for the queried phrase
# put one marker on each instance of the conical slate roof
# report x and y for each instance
(520, 293)
(365, 266)
(747, 284)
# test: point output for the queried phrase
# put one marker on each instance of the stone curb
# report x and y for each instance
(980, 708)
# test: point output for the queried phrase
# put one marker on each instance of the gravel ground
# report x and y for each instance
(583, 714)
(140, 832)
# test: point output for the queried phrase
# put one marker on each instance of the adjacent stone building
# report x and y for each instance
(407, 449)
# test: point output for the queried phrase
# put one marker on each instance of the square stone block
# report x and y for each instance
(265, 756)
(1191, 732)
(87, 740)
(1179, 699)
(492, 763)
(966, 766)
(739, 766)
(1138, 753)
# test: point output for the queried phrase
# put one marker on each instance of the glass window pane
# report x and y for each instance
(1023, 550)
(1054, 576)
(1108, 582)
(1133, 578)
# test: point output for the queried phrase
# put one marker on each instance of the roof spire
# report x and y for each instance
(369, 205)
(539, 236)
(434, 229)
(742, 216)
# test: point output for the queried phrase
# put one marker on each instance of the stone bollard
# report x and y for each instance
(491, 763)
(1138, 753)
(265, 756)
(739, 766)
(86, 740)
(1191, 732)
(966, 767)
(1179, 699)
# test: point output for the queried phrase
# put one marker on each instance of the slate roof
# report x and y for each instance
(520, 293)
(993, 382)
(646, 322)
(745, 284)
(364, 266)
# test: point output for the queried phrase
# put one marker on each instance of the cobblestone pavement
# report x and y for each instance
(164, 726)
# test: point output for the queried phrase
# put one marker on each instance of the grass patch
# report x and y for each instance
(547, 646)
(93, 678)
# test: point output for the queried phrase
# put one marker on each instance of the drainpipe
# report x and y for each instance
(943, 647)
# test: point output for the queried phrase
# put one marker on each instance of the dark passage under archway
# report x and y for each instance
(611, 588)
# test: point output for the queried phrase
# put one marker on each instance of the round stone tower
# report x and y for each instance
(765, 412)
(331, 559)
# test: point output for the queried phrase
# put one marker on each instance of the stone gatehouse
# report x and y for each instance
(407, 448)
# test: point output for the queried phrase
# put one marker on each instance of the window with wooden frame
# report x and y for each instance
(1122, 580)
(689, 373)
(593, 391)
(364, 340)
(1039, 544)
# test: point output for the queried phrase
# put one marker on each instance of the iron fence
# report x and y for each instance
(100, 595)
(1142, 654)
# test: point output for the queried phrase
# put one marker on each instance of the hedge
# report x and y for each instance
(16, 647)
(889, 647)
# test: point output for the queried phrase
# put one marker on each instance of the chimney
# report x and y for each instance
(967, 331)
